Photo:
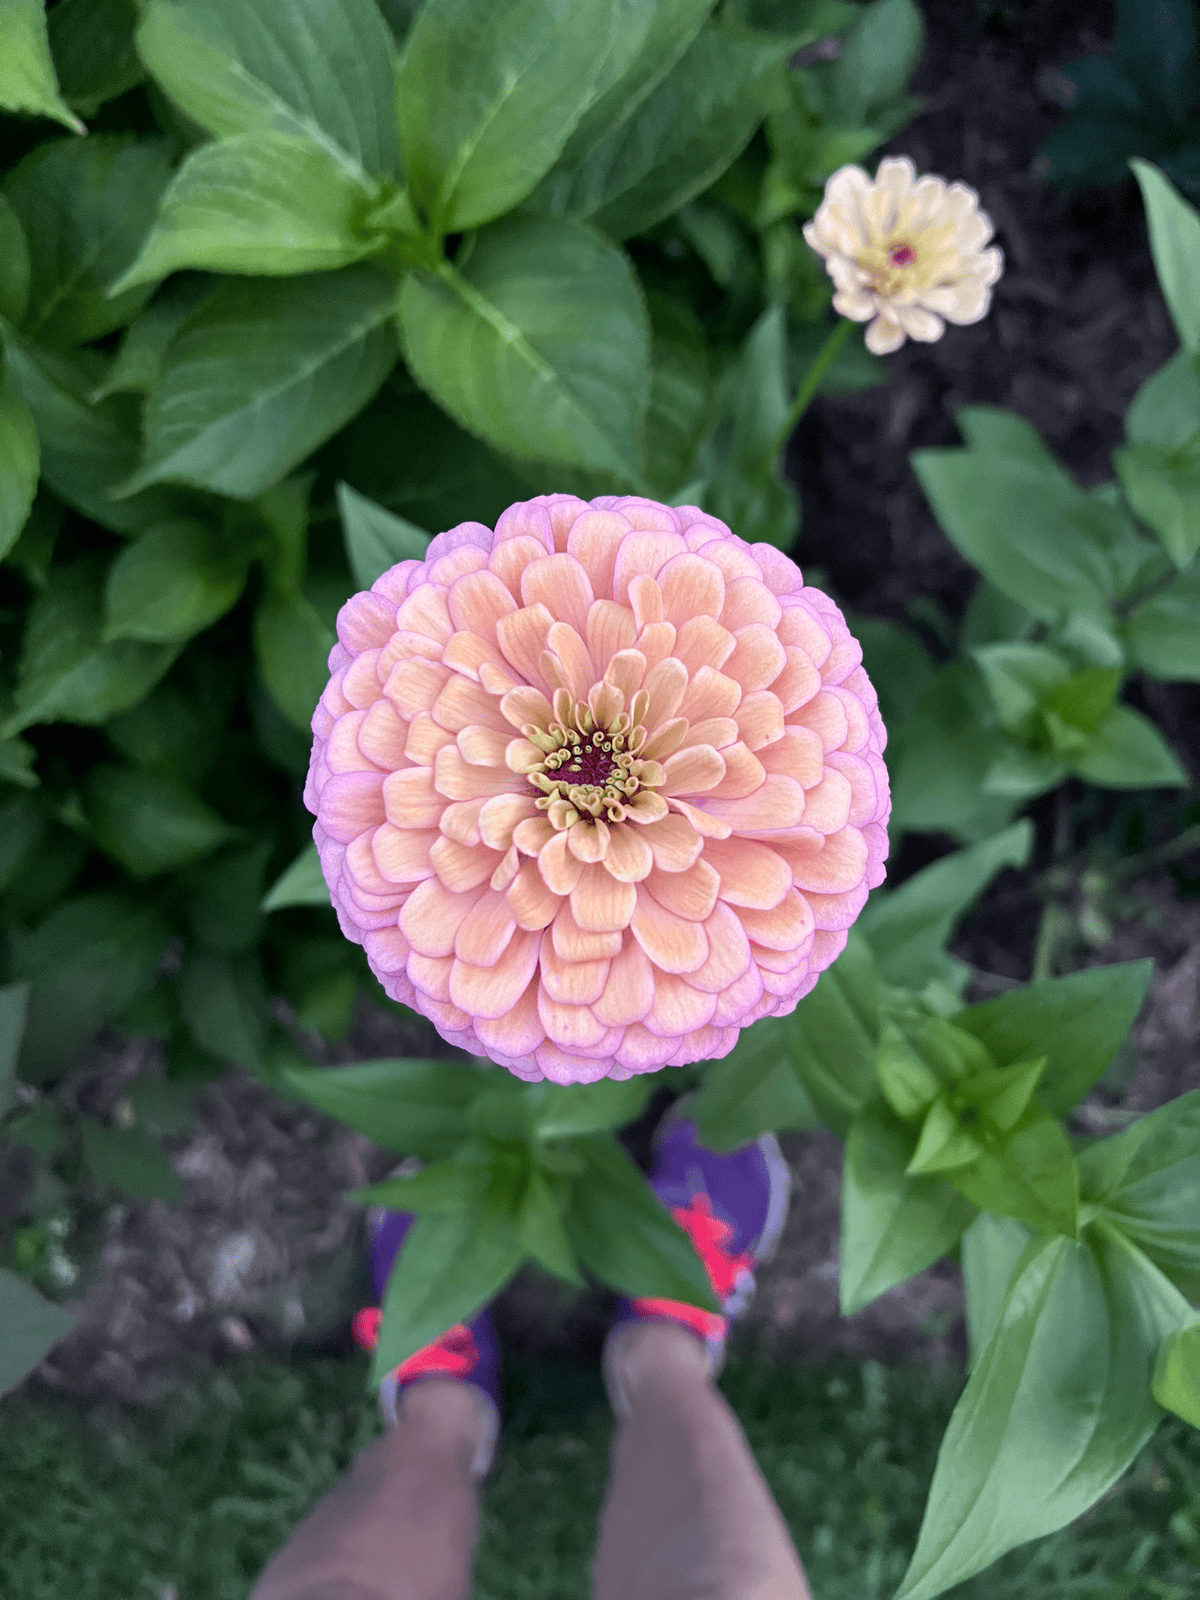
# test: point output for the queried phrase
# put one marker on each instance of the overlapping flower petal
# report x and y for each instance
(599, 788)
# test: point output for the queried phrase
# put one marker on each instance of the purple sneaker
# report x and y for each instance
(468, 1351)
(733, 1207)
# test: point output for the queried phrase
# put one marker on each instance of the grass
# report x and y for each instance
(190, 1503)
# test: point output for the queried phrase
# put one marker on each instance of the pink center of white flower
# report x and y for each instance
(902, 256)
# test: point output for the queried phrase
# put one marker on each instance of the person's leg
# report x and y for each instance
(401, 1522)
(688, 1515)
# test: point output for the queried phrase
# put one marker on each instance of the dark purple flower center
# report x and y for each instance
(592, 765)
(902, 255)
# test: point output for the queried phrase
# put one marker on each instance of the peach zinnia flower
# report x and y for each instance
(905, 251)
(597, 789)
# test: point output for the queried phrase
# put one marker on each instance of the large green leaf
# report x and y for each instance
(27, 78)
(681, 137)
(414, 1106)
(225, 1007)
(86, 448)
(171, 583)
(1057, 1407)
(626, 1236)
(1148, 1178)
(86, 205)
(303, 884)
(258, 203)
(878, 57)
(1166, 409)
(1079, 1022)
(94, 51)
(833, 1034)
(447, 1185)
(566, 1111)
(542, 1232)
(1128, 752)
(991, 1248)
(83, 963)
(67, 674)
(908, 927)
(450, 1264)
(752, 1090)
(1175, 245)
(1176, 1384)
(292, 645)
(31, 1323)
(893, 1226)
(1163, 488)
(304, 67)
(376, 538)
(1029, 1175)
(149, 824)
(14, 264)
(130, 1160)
(19, 464)
(680, 395)
(1024, 523)
(487, 95)
(539, 344)
(262, 374)
(1163, 634)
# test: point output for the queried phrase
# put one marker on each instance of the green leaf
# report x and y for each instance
(448, 1185)
(262, 374)
(1166, 409)
(225, 1007)
(680, 394)
(299, 67)
(94, 52)
(1020, 678)
(893, 1225)
(86, 449)
(14, 1004)
(292, 645)
(626, 1236)
(898, 665)
(1163, 489)
(1148, 1180)
(130, 1160)
(67, 674)
(1128, 752)
(678, 141)
(84, 963)
(86, 205)
(138, 363)
(19, 465)
(27, 80)
(487, 96)
(257, 203)
(449, 1265)
(878, 56)
(542, 1233)
(149, 824)
(940, 760)
(171, 583)
(991, 1248)
(833, 1035)
(1079, 1022)
(16, 763)
(14, 264)
(1176, 1381)
(566, 1111)
(1030, 1174)
(540, 345)
(303, 884)
(1175, 245)
(376, 538)
(908, 928)
(1055, 1410)
(943, 1145)
(752, 1090)
(1163, 634)
(416, 1107)
(32, 1324)
(1024, 523)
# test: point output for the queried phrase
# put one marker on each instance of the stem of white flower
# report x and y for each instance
(820, 366)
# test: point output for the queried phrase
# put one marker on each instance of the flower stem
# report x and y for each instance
(821, 363)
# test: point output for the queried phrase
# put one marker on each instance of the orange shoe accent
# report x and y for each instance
(709, 1234)
(453, 1352)
(706, 1323)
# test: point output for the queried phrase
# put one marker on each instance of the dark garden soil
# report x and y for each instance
(263, 1250)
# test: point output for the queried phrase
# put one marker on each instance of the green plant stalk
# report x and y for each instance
(821, 363)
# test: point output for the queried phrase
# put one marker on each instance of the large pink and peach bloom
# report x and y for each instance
(599, 788)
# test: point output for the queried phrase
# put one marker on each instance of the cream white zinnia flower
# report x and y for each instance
(905, 253)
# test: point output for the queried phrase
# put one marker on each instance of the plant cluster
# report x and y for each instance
(323, 279)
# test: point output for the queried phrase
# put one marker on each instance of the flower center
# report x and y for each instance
(589, 771)
(902, 256)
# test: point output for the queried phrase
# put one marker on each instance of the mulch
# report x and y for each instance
(264, 1252)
